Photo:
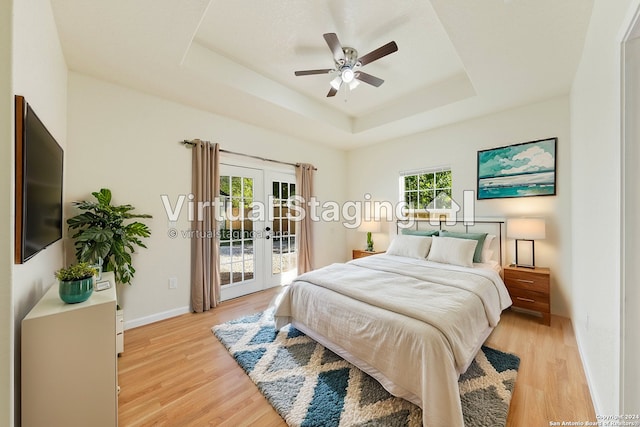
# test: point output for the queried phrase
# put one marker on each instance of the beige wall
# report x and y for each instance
(128, 141)
(596, 138)
(375, 170)
(40, 75)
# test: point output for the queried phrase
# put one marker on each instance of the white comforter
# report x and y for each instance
(413, 324)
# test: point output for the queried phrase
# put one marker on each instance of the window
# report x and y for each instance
(426, 190)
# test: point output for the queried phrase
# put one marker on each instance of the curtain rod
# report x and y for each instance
(192, 144)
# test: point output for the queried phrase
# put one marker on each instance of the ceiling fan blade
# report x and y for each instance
(334, 45)
(311, 72)
(378, 53)
(332, 92)
(368, 78)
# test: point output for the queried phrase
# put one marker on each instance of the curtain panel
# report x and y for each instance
(304, 184)
(205, 259)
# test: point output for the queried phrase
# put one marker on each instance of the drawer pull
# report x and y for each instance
(524, 281)
(525, 299)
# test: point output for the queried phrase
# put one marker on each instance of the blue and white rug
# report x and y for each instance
(310, 386)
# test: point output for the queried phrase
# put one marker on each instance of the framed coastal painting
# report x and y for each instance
(520, 170)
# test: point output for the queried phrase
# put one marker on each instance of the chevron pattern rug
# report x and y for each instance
(310, 386)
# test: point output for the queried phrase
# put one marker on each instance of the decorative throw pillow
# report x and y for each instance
(451, 250)
(479, 237)
(487, 253)
(410, 246)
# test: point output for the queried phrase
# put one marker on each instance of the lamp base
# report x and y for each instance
(533, 254)
(369, 243)
(525, 266)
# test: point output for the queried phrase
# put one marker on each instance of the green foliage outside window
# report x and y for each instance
(420, 190)
(237, 189)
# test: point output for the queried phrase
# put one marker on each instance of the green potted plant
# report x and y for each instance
(106, 235)
(76, 282)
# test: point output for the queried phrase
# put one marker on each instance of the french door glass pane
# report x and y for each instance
(224, 186)
(225, 263)
(283, 242)
(236, 237)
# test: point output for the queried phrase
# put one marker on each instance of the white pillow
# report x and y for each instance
(487, 256)
(486, 252)
(410, 246)
(451, 250)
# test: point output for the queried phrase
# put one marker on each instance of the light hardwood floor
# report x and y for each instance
(176, 373)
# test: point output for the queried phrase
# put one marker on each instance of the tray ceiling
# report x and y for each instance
(456, 59)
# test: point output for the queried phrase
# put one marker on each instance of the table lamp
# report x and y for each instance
(369, 227)
(528, 230)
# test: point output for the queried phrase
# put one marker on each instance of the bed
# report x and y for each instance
(412, 323)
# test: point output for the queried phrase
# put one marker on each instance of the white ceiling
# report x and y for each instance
(456, 59)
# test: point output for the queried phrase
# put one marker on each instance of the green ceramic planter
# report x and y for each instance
(76, 291)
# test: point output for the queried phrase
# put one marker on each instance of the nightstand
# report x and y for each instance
(359, 253)
(529, 288)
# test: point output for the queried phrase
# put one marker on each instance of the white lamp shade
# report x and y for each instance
(526, 228)
(336, 83)
(369, 227)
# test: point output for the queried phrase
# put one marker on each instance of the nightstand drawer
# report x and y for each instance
(530, 289)
(531, 300)
(527, 280)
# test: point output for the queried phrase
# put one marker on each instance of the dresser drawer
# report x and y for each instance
(531, 300)
(527, 280)
(119, 321)
(119, 331)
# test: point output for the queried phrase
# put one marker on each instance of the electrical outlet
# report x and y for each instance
(173, 283)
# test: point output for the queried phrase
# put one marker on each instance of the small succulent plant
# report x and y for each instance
(78, 271)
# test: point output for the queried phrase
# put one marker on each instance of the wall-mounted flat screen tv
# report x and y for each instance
(39, 171)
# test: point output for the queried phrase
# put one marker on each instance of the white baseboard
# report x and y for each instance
(141, 321)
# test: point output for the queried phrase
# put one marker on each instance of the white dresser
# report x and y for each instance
(69, 361)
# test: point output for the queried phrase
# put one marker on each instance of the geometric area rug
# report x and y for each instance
(310, 386)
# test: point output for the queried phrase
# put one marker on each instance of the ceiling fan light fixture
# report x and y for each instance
(354, 84)
(347, 75)
(335, 83)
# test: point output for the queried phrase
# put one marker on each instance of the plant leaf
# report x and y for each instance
(103, 196)
(102, 232)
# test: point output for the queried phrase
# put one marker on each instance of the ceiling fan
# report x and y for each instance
(348, 64)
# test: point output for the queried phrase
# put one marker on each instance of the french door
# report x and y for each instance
(281, 252)
(257, 240)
